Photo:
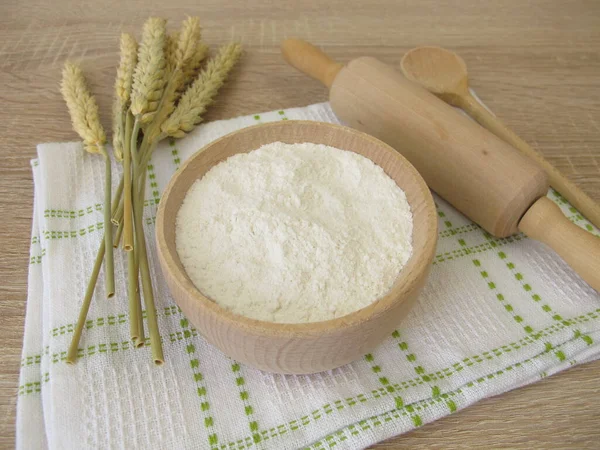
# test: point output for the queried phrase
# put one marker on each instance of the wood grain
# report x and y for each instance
(306, 347)
(535, 63)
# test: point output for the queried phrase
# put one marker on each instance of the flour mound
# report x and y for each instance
(294, 233)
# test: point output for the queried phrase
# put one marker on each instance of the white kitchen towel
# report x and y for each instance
(495, 314)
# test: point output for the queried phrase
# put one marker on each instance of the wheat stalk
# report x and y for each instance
(118, 131)
(122, 127)
(175, 59)
(149, 74)
(150, 80)
(201, 93)
(83, 109)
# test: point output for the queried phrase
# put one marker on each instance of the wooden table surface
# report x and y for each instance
(535, 63)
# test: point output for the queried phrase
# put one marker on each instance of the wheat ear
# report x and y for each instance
(123, 83)
(180, 50)
(188, 37)
(171, 44)
(127, 65)
(82, 108)
(201, 93)
(192, 68)
(149, 74)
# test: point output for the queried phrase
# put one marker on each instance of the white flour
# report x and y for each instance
(294, 233)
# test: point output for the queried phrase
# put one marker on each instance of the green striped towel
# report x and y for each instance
(496, 314)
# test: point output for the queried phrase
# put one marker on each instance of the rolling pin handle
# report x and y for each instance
(310, 60)
(545, 222)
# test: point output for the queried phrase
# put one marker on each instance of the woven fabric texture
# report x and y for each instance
(495, 314)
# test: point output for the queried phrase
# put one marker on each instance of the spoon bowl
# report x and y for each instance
(442, 72)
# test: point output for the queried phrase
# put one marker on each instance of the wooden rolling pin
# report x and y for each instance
(479, 174)
(444, 73)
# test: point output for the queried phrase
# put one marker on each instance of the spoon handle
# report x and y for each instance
(558, 181)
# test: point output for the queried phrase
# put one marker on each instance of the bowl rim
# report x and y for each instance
(421, 260)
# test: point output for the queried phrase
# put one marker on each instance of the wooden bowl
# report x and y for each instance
(306, 347)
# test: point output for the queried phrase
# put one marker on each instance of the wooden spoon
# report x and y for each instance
(444, 73)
